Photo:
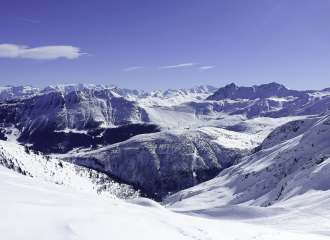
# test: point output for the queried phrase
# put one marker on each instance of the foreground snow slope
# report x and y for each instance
(34, 209)
(36, 165)
(288, 177)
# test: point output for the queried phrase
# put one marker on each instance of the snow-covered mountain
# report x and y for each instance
(163, 148)
(167, 161)
(18, 92)
(270, 100)
(153, 98)
(233, 92)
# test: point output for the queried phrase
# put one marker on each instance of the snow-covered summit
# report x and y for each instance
(231, 91)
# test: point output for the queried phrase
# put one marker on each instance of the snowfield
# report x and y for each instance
(34, 209)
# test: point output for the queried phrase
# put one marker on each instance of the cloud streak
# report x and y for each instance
(132, 68)
(206, 67)
(180, 65)
(39, 53)
(26, 19)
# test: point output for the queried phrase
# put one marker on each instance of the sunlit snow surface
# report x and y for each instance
(33, 209)
(284, 185)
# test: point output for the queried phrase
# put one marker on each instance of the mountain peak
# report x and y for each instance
(231, 91)
(232, 85)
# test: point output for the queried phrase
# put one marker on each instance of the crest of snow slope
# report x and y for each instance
(35, 165)
(33, 209)
(289, 173)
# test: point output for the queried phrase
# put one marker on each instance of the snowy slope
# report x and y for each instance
(289, 170)
(34, 209)
(78, 110)
(36, 165)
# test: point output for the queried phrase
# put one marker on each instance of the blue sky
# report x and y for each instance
(156, 45)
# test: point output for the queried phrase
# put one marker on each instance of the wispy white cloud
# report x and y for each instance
(26, 19)
(206, 67)
(180, 65)
(39, 53)
(132, 68)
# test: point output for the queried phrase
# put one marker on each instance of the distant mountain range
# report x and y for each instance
(152, 98)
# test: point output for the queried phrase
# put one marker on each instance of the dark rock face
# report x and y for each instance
(48, 141)
(2, 135)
